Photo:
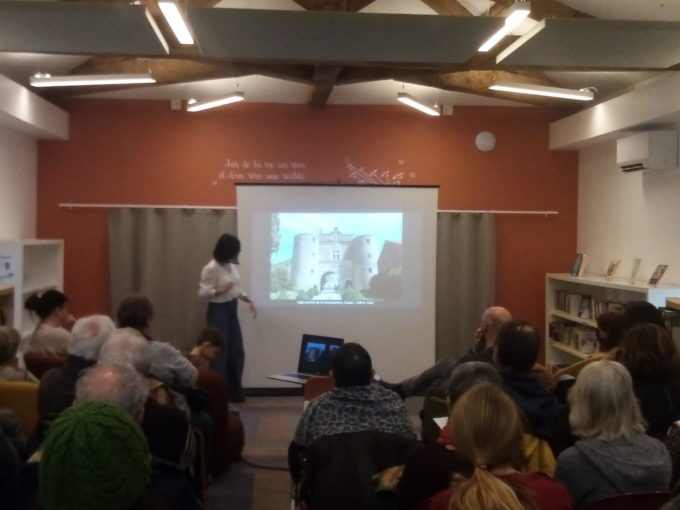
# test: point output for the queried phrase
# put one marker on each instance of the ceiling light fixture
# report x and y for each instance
(586, 94)
(77, 80)
(197, 106)
(176, 20)
(413, 102)
(516, 14)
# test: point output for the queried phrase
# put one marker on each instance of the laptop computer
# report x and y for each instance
(316, 355)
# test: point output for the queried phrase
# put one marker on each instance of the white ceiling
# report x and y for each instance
(20, 66)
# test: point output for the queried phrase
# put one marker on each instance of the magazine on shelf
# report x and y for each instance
(658, 274)
(611, 268)
(636, 269)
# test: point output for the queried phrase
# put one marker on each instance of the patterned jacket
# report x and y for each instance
(354, 409)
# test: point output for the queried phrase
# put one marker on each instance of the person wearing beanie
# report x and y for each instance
(113, 478)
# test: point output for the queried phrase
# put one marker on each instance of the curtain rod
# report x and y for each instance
(142, 206)
(160, 206)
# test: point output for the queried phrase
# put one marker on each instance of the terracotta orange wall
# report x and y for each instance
(144, 153)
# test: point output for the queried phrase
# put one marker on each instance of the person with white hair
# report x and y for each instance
(57, 386)
(613, 455)
(120, 385)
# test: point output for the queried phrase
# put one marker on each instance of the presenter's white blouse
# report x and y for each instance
(213, 275)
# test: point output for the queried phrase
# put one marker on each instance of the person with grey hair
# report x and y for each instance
(58, 385)
(127, 346)
(120, 385)
(430, 469)
(613, 455)
(437, 375)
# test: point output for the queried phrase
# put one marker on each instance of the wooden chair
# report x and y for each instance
(316, 386)
(22, 397)
(634, 501)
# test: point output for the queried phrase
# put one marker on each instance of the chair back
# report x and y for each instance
(38, 363)
(338, 472)
(634, 501)
(22, 398)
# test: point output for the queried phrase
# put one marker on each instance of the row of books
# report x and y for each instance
(580, 338)
(582, 305)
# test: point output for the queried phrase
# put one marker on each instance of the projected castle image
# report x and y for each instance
(333, 261)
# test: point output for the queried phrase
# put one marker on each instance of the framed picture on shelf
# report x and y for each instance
(611, 268)
(658, 274)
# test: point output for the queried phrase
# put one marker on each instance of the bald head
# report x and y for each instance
(492, 320)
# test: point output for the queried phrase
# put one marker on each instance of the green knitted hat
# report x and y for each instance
(94, 457)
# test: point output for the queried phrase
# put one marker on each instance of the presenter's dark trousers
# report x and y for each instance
(224, 316)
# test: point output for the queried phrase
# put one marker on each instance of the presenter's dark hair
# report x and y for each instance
(517, 347)
(135, 311)
(226, 249)
(44, 305)
(352, 366)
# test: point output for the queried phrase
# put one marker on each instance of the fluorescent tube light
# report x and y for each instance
(540, 90)
(77, 80)
(413, 102)
(156, 30)
(197, 106)
(176, 20)
(517, 13)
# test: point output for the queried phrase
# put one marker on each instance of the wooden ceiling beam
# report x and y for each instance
(541, 9)
(447, 7)
(324, 79)
(477, 83)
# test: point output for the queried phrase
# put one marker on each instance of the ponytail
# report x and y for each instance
(485, 491)
(43, 306)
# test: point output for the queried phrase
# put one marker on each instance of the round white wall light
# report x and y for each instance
(485, 141)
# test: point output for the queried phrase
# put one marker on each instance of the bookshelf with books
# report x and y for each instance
(573, 302)
(28, 266)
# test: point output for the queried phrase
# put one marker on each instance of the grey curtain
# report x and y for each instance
(466, 275)
(160, 253)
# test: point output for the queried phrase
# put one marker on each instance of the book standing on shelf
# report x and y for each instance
(611, 269)
(578, 267)
(635, 270)
(658, 274)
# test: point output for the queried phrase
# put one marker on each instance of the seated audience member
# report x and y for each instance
(438, 375)
(613, 455)
(640, 312)
(208, 347)
(355, 404)
(430, 469)
(517, 348)
(124, 387)
(166, 424)
(648, 352)
(167, 363)
(57, 386)
(51, 336)
(94, 457)
(487, 429)
(609, 333)
(10, 339)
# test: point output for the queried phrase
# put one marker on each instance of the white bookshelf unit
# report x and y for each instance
(600, 292)
(29, 266)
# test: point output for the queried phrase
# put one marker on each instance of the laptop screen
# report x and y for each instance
(316, 354)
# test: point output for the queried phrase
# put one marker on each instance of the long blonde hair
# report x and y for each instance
(487, 429)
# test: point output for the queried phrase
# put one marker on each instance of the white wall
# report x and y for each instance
(627, 215)
(18, 172)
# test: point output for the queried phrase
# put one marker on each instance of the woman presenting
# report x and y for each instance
(220, 282)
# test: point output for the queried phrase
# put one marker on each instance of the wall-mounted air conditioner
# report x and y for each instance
(651, 150)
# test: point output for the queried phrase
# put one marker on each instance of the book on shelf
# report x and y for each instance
(635, 270)
(577, 337)
(611, 269)
(658, 274)
(585, 307)
(578, 267)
